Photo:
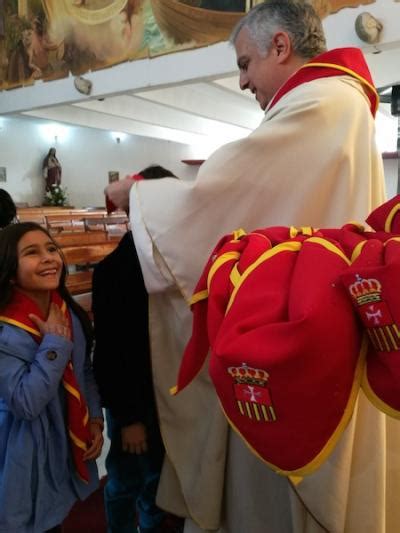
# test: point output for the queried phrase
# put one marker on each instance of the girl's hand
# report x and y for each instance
(56, 323)
(94, 450)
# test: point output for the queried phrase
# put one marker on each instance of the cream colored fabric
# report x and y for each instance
(312, 161)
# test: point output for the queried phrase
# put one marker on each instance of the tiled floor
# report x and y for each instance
(88, 516)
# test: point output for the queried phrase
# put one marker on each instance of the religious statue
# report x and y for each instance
(51, 169)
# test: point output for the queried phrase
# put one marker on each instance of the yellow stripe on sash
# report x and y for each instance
(77, 441)
(221, 260)
(20, 325)
(329, 246)
(390, 217)
(72, 390)
(198, 296)
(289, 246)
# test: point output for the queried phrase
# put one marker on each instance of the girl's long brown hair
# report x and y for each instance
(9, 239)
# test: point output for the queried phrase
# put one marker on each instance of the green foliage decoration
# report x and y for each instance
(56, 196)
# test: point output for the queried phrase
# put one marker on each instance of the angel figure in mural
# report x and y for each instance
(35, 49)
(51, 169)
(30, 57)
(96, 33)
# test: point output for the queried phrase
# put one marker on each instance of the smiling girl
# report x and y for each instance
(50, 415)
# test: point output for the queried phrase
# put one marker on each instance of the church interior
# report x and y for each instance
(166, 106)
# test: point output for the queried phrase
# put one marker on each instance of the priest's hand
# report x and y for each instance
(134, 438)
(118, 192)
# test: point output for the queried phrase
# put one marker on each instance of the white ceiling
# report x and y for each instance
(209, 113)
(205, 114)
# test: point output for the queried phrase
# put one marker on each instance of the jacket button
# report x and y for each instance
(51, 355)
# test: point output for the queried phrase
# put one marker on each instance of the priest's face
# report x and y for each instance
(259, 72)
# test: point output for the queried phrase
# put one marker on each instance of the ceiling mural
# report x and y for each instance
(48, 39)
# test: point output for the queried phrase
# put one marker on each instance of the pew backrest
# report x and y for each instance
(81, 238)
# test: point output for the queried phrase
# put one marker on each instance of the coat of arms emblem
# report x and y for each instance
(252, 394)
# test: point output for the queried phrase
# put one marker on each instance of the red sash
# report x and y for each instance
(372, 282)
(336, 62)
(17, 313)
(288, 352)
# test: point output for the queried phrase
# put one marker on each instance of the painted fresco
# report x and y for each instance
(48, 39)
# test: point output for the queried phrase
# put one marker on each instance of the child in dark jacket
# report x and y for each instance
(123, 372)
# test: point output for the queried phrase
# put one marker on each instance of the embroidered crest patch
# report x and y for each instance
(251, 391)
(375, 314)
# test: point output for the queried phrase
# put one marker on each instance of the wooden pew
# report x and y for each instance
(31, 214)
(81, 238)
(80, 282)
(85, 301)
(88, 255)
(38, 214)
(113, 224)
(77, 221)
(80, 260)
(58, 218)
(26, 212)
(64, 222)
(32, 217)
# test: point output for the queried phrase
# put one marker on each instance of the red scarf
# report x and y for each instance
(17, 313)
(336, 62)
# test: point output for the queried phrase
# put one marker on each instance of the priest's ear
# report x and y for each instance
(282, 46)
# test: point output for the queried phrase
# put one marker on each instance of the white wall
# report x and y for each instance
(86, 156)
(391, 176)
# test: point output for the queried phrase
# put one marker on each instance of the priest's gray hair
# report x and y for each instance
(296, 17)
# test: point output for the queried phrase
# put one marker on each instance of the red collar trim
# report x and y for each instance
(21, 306)
(333, 63)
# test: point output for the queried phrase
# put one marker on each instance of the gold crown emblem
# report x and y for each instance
(366, 290)
(246, 374)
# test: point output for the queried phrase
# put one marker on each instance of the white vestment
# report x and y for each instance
(313, 161)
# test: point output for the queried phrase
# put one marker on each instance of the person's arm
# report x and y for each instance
(90, 391)
(157, 277)
(27, 387)
(122, 194)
